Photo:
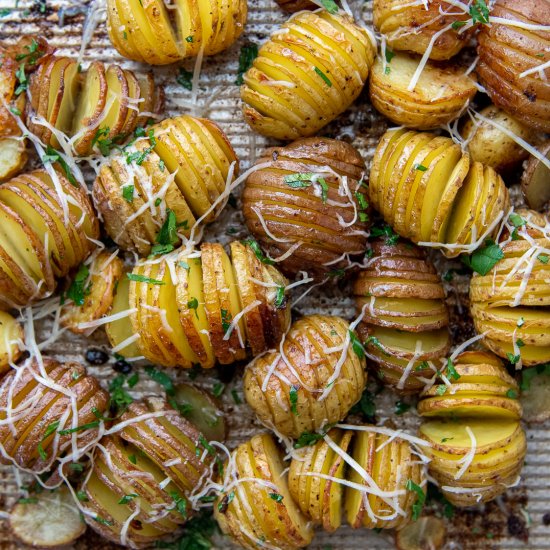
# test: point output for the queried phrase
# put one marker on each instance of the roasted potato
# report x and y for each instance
(427, 189)
(412, 26)
(47, 227)
(314, 379)
(405, 318)
(11, 341)
(104, 105)
(176, 173)
(475, 460)
(91, 293)
(144, 30)
(190, 309)
(439, 97)
(256, 504)
(306, 74)
(12, 97)
(394, 468)
(13, 157)
(320, 498)
(43, 427)
(478, 385)
(510, 57)
(509, 304)
(144, 477)
(308, 207)
(535, 178)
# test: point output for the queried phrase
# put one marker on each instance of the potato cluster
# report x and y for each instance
(405, 318)
(40, 398)
(47, 224)
(313, 380)
(201, 309)
(103, 104)
(156, 33)
(144, 475)
(306, 74)
(513, 60)
(307, 207)
(509, 304)
(427, 189)
(439, 97)
(178, 169)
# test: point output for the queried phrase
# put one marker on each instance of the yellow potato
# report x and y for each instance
(13, 157)
(11, 341)
(534, 180)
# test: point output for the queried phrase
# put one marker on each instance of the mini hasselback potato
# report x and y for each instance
(212, 310)
(439, 97)
(256, 504)
(474, 460)
(319, 498)
(479, 386)
(509, 304)
(405, 318)
(153, 32)
(169, 178)
(306, 74)
(308, 205)
(411, 26)
(11, 341)
(427, 189)
(43, 234)
(144, 476)
(41, 401)
(393, 468)
(513, 60)
(314, 379)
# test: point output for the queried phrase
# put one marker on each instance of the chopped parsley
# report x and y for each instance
(185, 79)
(127, 498)
(218, 389)
(299, 180)
(441, 389)
(420, 498)
(366, 406)
(128, 193)
(387, 232)
(479, 12)
(310, 438)
(51, 428)
(389, 55)
(236, 397)
(226, 320)
(293, 396)
(356, 345)
(78, 290)
(276, 497)
(88, 426)
(142, 279)
(193, 304)
(512, 394)
(401, 407)
(280, 298)
(160, 378)
(451, 371)
(323, 76)
(180, 503)
(52, 156)
(253, 244)
(484, 258)
(330, 6)
(120, 398)
(249, 52)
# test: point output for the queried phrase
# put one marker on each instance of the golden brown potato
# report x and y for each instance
(211, 311)
(145, 476)
(405, 318)
(260, 507)
(411, 26)
(309, 205)
(535, 178)
(440, 96)
(508, 59)
(11, 341)
(177, 171)
(150, 32)
(509, 303)
(427, 189)
(13, 157)
(475, 460)
(476, 384)
(43, 235)
(314, 380)
(42, 426)
(306, 74)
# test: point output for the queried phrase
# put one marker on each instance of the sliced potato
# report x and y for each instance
(11, 341)
(534, 181)
(427, 533)
(13, 157)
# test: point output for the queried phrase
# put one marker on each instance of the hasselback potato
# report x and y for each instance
(40, 399)
(256, 504)
(439, 97)
(412, 26)
(153, 32)
(509, 304)
(313, 380)
(478, 384)
(11, 341)
(308, 207)
(306, 74)
(513, 60)
(47, 224)
(104, 104)
(427, 189)
(405, 318)
(193, 308)
(474, 460)
(144, 476)
(168, 179)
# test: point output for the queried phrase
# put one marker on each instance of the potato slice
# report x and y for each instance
(48, 520)
(534, 181)
(11, 341)
(13, 157)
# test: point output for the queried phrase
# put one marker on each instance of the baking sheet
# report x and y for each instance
(514, 521)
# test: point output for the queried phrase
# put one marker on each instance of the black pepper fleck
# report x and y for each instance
(96, 356)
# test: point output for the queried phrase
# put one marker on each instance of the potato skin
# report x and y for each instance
(535, 178)
(295, 408)
(328, 223)
(287, 94)
(505, 52)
